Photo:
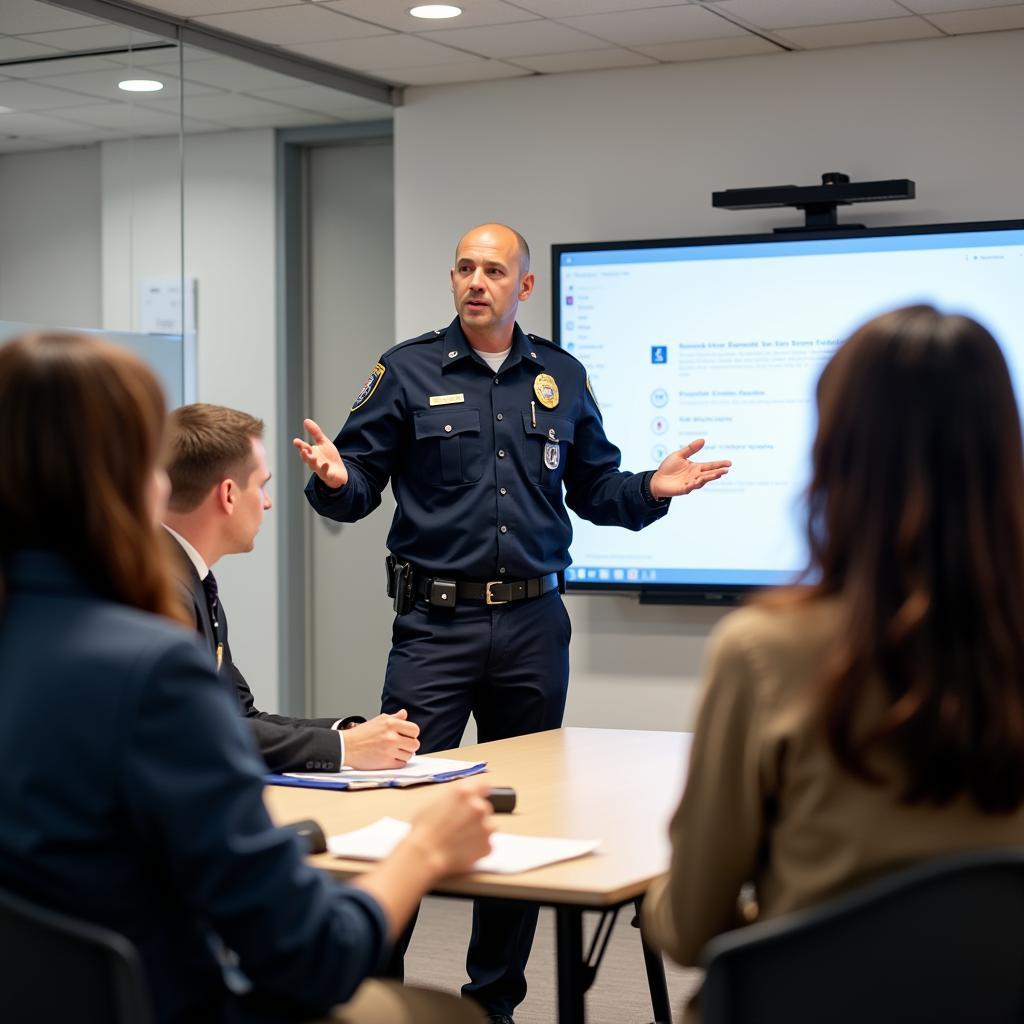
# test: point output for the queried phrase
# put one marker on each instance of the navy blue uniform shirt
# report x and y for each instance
(478, 472)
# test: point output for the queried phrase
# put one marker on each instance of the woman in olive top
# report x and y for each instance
(874, 717)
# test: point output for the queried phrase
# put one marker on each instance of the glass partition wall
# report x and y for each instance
(76, 93)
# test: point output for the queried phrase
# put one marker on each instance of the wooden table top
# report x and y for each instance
(620, 786)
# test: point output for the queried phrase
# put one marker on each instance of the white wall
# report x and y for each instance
(50, 237)
(636, 153)
(230, 249)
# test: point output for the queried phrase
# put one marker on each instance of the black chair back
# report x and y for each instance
(56, 969)
(941, 942)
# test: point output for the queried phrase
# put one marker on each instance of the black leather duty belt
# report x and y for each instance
(444, 593)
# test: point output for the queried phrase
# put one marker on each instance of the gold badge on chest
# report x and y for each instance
(546, 390)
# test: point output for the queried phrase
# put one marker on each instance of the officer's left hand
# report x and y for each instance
(678, 475)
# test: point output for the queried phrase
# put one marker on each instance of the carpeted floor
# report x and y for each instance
(619, 995)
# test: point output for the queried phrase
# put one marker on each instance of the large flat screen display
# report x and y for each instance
(724, 338)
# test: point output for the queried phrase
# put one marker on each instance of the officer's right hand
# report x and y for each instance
(321, 456)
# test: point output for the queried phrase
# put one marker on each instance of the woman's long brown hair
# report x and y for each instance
(916, 522)
(81, 433)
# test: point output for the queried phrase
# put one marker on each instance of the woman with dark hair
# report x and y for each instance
(130, 795)
(875, 716)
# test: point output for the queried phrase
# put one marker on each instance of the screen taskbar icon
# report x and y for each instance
(579, 574)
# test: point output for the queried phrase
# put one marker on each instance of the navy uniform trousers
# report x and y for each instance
(508, 666)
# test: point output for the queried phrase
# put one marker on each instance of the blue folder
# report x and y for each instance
(306, 782)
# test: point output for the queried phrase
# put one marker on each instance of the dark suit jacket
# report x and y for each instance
(132, 796)
(287, 744)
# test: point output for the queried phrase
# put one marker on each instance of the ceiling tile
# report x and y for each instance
(656, 25)
(128, 116)
(707, 49)
(103, 84)
(225, 73)
(587, 60)
(856, 32)
(228, 107)
(322, 100)
(283, 26)
(523, 39)
(395, 13)
(164, 55)
(443, 74)
(18, 49)
(56, 68)
(568, 8)
(381, 52)
(291, 119)
(31, 96)
(192, 8)
(93, 38)
(990, 19)
(35, 123)
(793, 13)
(936, 6)
(20, 17)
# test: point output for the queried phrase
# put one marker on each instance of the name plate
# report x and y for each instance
(446, 399)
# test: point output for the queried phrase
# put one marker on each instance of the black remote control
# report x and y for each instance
(503, 799)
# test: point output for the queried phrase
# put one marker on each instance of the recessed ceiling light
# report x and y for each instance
(435, 11)
(140, 85)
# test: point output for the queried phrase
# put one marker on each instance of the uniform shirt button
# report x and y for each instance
(504, 529)
(503, 491)
(501, 571)
(501, 453)
(453, 354)
(500, 417)
(447, 428)
(496, 380)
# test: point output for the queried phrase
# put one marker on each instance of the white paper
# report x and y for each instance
(422, 768)
(510, 854)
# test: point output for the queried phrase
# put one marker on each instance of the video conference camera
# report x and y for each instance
(819, 202)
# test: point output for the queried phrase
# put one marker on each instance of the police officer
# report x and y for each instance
(480, 427)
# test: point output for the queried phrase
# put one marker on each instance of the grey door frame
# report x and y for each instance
(293, 393)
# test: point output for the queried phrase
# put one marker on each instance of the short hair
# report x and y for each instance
(208, 444)
(524, 248)
(81, 435)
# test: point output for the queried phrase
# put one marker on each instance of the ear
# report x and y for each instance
(526, 286)
(451, 278)
(227, 495)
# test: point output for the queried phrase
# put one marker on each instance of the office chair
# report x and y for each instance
(55, 968)
(942, 941)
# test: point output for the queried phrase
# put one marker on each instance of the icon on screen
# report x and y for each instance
(632, 575)
(618, 574)
(659, 398)
(659, 425)
(602, 574)
(659, 353)
(568, 300)
(658, 452)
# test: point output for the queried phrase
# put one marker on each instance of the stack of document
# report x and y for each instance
(418, 771)
(509, 854)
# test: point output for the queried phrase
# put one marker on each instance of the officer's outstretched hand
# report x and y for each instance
(387, 741)
(321, 456)
(678, 475)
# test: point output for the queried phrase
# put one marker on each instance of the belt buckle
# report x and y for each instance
(487, 592)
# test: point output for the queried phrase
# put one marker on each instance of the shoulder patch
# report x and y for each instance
(376, 376)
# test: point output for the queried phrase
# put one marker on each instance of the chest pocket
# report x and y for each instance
(448, 446)
(546, 448)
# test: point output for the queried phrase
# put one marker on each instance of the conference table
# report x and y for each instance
(619, 786)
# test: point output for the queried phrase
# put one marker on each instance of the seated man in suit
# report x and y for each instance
(218, 472)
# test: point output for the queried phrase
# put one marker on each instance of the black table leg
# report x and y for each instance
(572, 980)
(656, 979)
